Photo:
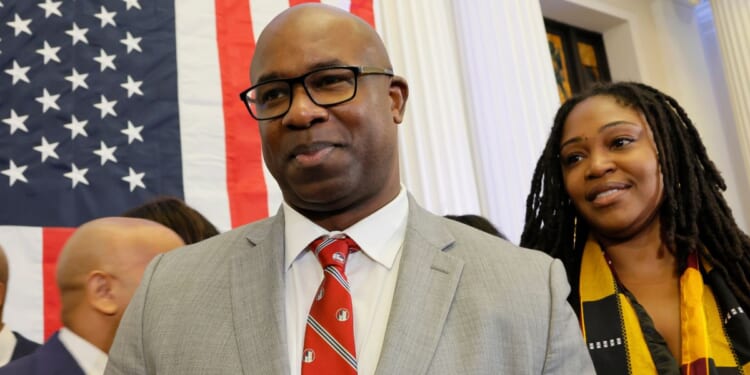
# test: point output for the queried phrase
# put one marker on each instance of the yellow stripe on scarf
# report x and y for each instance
(599, 281)
(641, 361)
(701, 327)
(693, 327)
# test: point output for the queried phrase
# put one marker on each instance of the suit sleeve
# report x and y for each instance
(127, 355)
(566, 351)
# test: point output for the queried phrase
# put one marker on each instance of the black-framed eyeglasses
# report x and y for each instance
(325, 87)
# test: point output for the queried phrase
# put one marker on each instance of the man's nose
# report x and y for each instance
(303, 112)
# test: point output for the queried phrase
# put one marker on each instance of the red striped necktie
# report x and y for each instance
(329, 336)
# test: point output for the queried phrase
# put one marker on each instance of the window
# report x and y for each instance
(578, 58)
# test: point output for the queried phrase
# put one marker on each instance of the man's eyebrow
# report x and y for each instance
(267, 77)
(319, 65)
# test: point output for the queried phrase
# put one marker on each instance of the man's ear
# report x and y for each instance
(99, 292)
(399, 92)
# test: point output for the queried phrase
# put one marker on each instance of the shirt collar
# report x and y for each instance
(91, 359)
(379, 235)
(7, 344)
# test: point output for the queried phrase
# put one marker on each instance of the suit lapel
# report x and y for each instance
(257, 292)
(427, 282)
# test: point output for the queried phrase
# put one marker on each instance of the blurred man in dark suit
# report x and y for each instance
(98, 271)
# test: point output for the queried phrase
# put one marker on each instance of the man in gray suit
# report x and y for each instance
(430, 295)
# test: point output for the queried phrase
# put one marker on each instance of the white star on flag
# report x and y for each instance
(105, 61)
(131, 42)
(78, 35)
(106, 107)
(51, 7)
(16, 122)
(106, 18)
(77, 176)
(133, 132)
(76, 127)
(15, 173)
(47, 149)
(49, 53)
(20, 25)
(132, 4)
(18, 72)
(133, 87)
(106, 153)
(77, 80)
(48, 101)
(134, 179)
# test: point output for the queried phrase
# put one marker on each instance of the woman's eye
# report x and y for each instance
(571, 159)
(622, 142)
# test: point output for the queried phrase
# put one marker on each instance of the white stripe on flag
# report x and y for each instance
(23, 311)
(343, 4)
(201, 115)
(263, 11)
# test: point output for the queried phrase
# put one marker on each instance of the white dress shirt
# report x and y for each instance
(371, 272)
(91, 359)
(7, 345)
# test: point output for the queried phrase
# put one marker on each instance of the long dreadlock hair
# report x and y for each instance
(694, 215)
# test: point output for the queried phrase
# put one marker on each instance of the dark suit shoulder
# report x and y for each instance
(23, 347)
(49, 359)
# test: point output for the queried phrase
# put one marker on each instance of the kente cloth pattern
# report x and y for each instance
(329, 335)
(622, 339)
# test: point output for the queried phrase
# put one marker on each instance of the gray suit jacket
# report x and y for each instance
(465, 303)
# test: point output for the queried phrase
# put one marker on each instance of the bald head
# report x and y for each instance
(100, 268)
(111, 244)
(326, 26)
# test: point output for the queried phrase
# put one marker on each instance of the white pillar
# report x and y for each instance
(732, 21)
(435, 149)
(483, 97)
(512, 97)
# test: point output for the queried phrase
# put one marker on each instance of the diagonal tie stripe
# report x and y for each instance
(323, 245)
(329, 346)
(330, 340)
(338, 277)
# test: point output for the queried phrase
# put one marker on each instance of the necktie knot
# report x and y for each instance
(333, 251)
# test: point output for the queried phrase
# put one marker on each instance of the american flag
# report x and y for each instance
(105, 104)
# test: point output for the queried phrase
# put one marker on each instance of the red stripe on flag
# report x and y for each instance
(53, 240)
(363, 8)
(245, 182)
(298, 2)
